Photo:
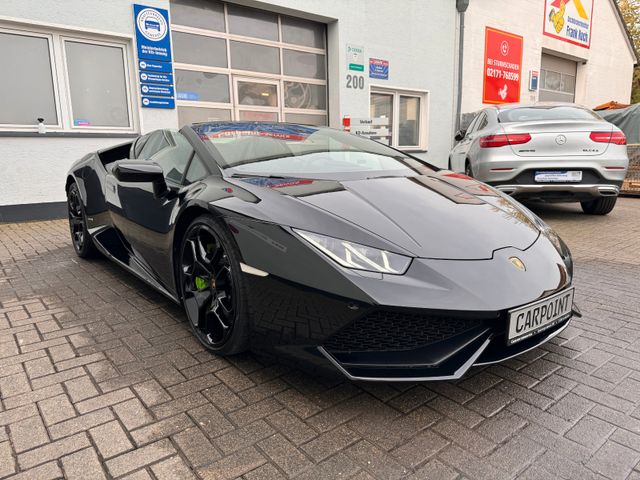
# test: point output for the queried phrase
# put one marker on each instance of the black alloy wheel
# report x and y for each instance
(211, 287)
(82, 242)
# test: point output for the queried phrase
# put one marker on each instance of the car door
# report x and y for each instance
(460, 151)
(146, 216)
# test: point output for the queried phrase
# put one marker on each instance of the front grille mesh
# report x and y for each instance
(388, 331)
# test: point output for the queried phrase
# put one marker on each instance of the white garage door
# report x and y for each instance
(239, 63)
(557, 79)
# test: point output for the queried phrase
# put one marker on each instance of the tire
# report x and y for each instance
(599, 206)
(212, 288)
(80, 238)
(467, 169)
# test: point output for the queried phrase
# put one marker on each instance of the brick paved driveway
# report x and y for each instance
(100, 377)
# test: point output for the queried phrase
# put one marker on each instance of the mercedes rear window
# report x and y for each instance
(532, 114)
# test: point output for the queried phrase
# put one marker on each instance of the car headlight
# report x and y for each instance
(356, 256)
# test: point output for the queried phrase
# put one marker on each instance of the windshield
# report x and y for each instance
(559, 112)
(287, 149)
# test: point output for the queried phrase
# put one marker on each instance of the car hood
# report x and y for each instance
(441, 215)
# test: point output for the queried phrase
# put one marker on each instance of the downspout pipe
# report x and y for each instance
(461, 7)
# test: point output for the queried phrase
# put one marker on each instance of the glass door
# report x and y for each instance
(256, 99)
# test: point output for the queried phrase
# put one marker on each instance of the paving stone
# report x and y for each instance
(161, 429)
(83, 465)
(38, 367)
(131, 372)
(195, 446)
(14, 385)
(172, 469)
(292, 427)
(49, 471)
(515, 455)
(244, 437)
(28, 433)
(132, 413)
(469, 439)
(80, 423)
(33, 396)
(53, 450)
(7, 463)
(56, 409)
(110, 439)
(211, 420)
(233, 466)
(419, 448)
(330, 442)
(140, 457)
(614, 461)
(105, 400)
(590, 432)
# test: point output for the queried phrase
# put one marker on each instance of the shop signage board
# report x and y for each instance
(367, 122)
(162, 90)
(502, 67)
(569, 21)
(379, 69)
(355, 58)
(375, 128)
(158, 102)
(155, 68)
(152, 66)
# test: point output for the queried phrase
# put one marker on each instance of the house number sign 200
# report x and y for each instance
(355, 81)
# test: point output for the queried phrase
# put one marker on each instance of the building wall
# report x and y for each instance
(33, 169)
(604, 70)
(419, 40)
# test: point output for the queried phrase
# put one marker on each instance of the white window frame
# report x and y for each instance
(127, 74)
(54, 80)
(250, 75)
(57, 37)
(423, 119)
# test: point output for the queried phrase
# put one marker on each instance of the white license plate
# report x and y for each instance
(559, 176)
(526, 321)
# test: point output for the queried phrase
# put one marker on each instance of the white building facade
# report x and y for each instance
(75, 65)
(579, 51)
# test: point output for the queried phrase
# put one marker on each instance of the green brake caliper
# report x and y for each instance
(201, 282)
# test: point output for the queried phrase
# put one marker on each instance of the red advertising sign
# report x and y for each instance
(502, 67)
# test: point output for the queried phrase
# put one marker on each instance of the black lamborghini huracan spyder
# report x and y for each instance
(324, 246)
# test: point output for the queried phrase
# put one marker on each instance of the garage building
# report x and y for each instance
(78, 65)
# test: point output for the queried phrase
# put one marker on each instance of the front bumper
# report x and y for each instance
(448, 358)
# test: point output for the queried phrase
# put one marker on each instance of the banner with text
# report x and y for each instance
(502, 67)
(569, 21)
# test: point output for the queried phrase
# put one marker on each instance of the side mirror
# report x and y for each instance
(137, 171)
(141, 171)
(460, 134)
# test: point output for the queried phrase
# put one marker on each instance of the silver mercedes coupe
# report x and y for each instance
(551, 152)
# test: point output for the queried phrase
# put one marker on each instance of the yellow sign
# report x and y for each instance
(569, 21)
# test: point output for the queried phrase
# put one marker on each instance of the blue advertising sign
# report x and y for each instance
(379, 69)
(162, 90)
(151, 66)
(158, 102)
(152, 33)
(151, 77)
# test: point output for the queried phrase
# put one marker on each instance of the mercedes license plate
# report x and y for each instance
(557, 176)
